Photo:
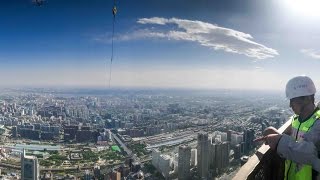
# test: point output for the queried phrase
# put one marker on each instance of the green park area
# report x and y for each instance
(115, 148)
(111, 155)
(56, 159)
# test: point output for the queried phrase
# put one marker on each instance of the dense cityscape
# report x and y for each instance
(132, 134)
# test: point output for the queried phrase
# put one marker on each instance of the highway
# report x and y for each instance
(123, 146)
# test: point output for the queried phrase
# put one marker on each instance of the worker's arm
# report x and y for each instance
(305, 151)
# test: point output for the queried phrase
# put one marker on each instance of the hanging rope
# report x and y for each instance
(114, 12)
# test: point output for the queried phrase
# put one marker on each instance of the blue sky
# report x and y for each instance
(205, 44)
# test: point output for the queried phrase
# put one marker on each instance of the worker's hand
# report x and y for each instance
(270, 130)
(271, 140)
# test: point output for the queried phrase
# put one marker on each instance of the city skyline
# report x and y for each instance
(159, 44)
(87, 133)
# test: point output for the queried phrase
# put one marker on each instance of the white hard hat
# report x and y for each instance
(300, 86)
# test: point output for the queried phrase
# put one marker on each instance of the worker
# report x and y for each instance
(298, 144)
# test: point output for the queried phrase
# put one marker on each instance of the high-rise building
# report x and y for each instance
(84, 135)
(225, 154)
(218, 157)
(87, 175)
(242, 148)
(193, 157)
(109, 135)
(212, 158)
(70, 132)
(237, 151)
(248, 137)
(184, 162)
(222, 151)
(97, 172)
(116, 175)
(14, 131)
(229, 133)
(236, 139)
(29, 167)
(161, 163)
(47, 176)
(203, 155)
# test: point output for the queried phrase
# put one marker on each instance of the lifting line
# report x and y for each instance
(114, 12)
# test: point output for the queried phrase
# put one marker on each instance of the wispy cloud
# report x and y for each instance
(206, 34)
(311, 52)
(258, 68)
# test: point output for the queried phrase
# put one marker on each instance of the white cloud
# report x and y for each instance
(258, 68)
(140, 34)
(311, 52)
(206, 34)
(154, 20)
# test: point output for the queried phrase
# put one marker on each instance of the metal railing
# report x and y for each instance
(264, 164)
